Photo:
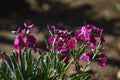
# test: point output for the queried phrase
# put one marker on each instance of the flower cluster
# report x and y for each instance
(61, 40)
(24, 38)
(90, 37)
(63, 48)
(93, 40)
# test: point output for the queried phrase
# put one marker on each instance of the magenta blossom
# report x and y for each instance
(65, 57)
(102, 60)
(85, 56)
(51, 39)
(4, 56)
(31, 40)
(50, 27)
(17, 31)
(19, 42)
(62, 40)
(62, 31)
(62, 43)
(100, 31)
(92, 41)
(84, 32)
(30, 27)
(71, 43)
(17, 55)
(22, 42)
(101, 40)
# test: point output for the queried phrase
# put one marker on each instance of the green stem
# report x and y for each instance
(62, 74)
(92, 58)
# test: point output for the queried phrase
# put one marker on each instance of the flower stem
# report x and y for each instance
(65, 69)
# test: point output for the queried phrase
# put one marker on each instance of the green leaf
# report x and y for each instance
(79, 53)
(5, 76)
(80, 76)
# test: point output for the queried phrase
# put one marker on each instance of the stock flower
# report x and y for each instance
(62, 31)
(17, 55)
(19, 42)
(51, 39)
(71, 43)
(100, 31)
(16, 31)
(31, 40)
(50, 27)
(65, 57)
(30, 27)
(62, 40)
(101, 40)
(24, 40)
(92, 41)
(62, 44)
(84, 32)
(85, 56)
(4, 56)
(102, 60)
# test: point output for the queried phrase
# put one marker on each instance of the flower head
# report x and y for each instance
(85, 56)
(4, 56)
(23, 39)
(102, 62)
(61, 40)
(17, 31)
(102, 59)
(30, 27)
(65, 57)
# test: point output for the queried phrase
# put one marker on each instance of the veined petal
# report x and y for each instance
(102, 62)
(16, 31)
(30, 27)
(16, 42)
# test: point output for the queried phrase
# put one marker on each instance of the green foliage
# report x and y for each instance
(45, 67)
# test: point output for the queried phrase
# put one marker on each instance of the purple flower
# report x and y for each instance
(90, 27)
(102, 60)
(83, 33)
(22, 42)
(63, 42)
(51, 39)
(62, 32)
(35, 47)
(92, 41)
(101, 40)
(100, 31)
(31, 40)
(19, 42)
(71, 43)
(85, 57)
(102, 55)
(17, 55)
(30, 27)
(16, 31)
(65, 57)
(50, 27)
(4, 56)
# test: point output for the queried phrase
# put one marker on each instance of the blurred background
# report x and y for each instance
(68, 14)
